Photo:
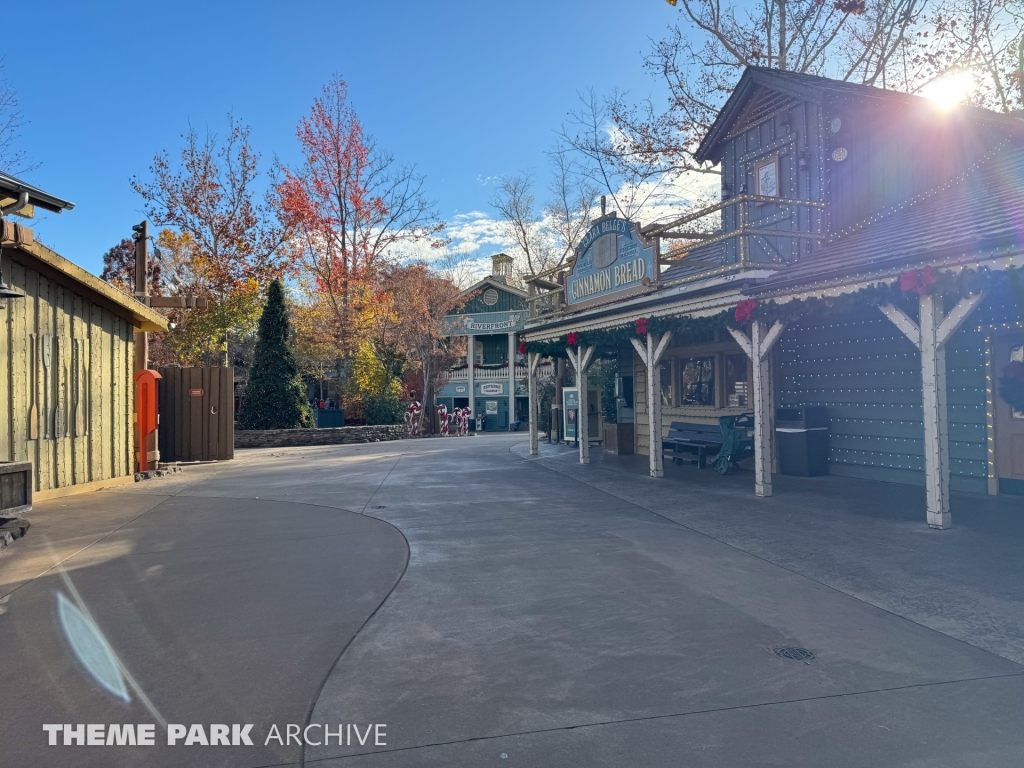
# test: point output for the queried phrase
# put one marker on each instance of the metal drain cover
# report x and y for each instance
(380, 507)
(796, 654)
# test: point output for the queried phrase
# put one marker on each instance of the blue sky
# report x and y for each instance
(466, 90)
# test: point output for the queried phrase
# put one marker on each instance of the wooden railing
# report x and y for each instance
(544, 371)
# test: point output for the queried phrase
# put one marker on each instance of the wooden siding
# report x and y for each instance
(507, 302)
(495, 348)
(693, 414)
(197, 427)
(869, 377)
(84, 402)
(892, 154)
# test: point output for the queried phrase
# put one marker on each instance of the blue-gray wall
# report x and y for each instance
(869, 376)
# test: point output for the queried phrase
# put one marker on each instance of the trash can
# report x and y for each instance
(802, 435)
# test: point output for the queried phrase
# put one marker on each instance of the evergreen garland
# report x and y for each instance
(902, 292)
(274, 397)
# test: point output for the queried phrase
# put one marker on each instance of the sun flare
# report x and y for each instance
(950, 91)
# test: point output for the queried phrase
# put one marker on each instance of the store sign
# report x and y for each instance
(492, 388)
(613, 260)
(460, 388)
(492, 408)
(195, 392)
(483, 322)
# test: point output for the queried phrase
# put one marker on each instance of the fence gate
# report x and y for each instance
(197, 414)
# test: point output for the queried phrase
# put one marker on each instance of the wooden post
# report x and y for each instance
(651, 358)
(531, 373)
(470, 379)
(581, 359)
(930, 338)
(511, 379)
(141, 363)
(757, 348)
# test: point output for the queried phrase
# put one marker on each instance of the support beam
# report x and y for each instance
(511, 379)
(581, 359)
(933, 395)
(470, 379)
(758, 346)
(532, 360)
(930, 338)
(651, 355)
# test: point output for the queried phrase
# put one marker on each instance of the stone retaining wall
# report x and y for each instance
(278, 438)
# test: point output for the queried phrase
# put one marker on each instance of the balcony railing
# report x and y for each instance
(752, 224)
(544, 370)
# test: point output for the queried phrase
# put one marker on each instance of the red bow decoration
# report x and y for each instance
(918, 281)
(572, 339)
(522, 347)
(745, 310)
(641, 326)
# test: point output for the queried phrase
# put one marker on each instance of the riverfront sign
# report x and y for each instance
(483, 322)
(613, 260)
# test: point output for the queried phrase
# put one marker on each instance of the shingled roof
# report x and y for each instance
(974, 213)
(702, 259)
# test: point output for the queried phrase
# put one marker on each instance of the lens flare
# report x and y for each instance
(949, 92)
(91, 647)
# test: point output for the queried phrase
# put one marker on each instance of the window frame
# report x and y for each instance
(719, 351)
(773, 161)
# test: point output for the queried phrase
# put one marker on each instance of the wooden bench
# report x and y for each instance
(699, 440)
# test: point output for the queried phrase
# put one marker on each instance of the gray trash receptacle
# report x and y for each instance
(802, 435)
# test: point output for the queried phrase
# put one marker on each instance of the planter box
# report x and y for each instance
(15, 488)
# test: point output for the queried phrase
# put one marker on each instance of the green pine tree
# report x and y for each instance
(275, 397)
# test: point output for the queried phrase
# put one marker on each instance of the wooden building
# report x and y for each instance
(859, 260)
(67, 349)
(491, 315)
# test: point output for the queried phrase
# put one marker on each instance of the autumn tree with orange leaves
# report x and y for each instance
(410, 320)
(352, 208)
(235, 242)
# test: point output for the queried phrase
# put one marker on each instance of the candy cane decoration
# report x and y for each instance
(412, 418)
(442, 419)
(464, 422)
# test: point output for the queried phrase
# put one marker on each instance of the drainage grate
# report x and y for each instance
(796, 654)
(380, 507)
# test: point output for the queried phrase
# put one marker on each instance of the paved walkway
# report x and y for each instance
(224, 610)
(551, 614)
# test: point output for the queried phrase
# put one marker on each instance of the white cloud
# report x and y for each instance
(477, 235)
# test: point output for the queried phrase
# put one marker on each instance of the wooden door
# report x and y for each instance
(1009, 424)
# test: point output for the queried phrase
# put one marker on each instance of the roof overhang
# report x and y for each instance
(11, 188)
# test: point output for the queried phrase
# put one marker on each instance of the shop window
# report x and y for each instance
(697, 381)
(737, 394)
(666, 382)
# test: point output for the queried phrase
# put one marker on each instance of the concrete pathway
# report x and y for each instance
(550, 615)
(223, 610)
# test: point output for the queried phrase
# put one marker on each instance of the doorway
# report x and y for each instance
(1009, 423)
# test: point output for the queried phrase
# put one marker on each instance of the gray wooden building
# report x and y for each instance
(832, 194)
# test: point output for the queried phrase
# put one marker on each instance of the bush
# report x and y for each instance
(383, 410)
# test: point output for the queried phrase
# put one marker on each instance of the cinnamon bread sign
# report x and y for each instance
(613, 260)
